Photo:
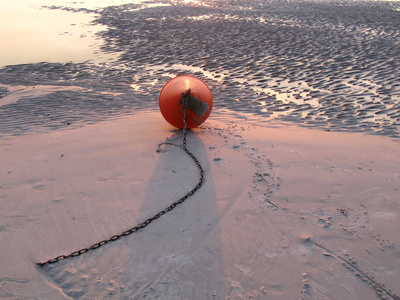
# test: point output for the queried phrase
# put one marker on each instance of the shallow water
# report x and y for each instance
(34, 32)
(331, 65)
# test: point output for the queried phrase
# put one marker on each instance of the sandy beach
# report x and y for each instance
(285, 212)
(301, 155)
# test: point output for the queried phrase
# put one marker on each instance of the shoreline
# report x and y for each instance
(271, 59)
(41, 107)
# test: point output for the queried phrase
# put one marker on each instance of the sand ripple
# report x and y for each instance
(328, 65)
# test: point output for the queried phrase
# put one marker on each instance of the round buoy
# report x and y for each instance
(185, 91)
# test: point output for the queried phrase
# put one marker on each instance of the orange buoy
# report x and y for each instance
(185, 91)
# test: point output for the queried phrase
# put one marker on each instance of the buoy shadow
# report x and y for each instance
(180, 255)
(176, 257)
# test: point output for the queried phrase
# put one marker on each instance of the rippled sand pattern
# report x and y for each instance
(323, 64)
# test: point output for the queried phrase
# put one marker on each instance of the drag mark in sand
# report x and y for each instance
(380, 290)
(264, 182)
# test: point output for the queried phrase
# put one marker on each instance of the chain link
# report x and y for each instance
(184, 127)
(151, 219)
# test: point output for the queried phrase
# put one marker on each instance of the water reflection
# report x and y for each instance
(31, 33)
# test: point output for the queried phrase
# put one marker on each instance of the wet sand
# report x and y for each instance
(285, 212)
(330, 65)
(301, 156)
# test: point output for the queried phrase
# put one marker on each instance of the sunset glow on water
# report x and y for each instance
(330, 64)
(35, 33)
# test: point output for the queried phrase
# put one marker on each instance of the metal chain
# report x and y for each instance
(149, 220)
(184, 128)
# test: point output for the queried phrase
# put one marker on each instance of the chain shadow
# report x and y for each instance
(176, 257)
(181, 259)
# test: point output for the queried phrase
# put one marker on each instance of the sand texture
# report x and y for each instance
(285, 213)
(301, 156)
(326, 64)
